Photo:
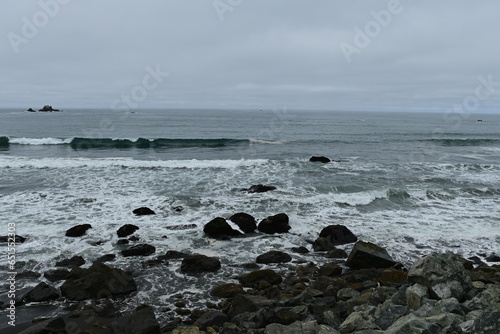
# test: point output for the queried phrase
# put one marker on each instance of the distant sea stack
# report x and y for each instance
(45, 108)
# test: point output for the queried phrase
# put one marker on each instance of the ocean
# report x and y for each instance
(412, 183)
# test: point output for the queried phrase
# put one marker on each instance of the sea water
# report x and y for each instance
(412, 183)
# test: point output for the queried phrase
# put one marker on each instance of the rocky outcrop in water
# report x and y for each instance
(275, 224)
(126, 230)
(47, 108)
(319, 159)
(218, 228)
(78, 230)
(197, 263)
(245, 222)
(143, 211)
(259, 188)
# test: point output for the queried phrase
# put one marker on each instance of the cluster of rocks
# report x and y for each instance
(46, 108)
(364, 292)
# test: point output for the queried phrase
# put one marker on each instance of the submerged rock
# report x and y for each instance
(78, 230)
(369, 255)
(320, 159)
(143, 211)
(218, 228)
(259, 188)
(244, 221)
(17, 239)
(197, 263)
(98, 281)
(275, 224)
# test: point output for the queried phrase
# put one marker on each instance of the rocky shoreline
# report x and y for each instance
(362, 292)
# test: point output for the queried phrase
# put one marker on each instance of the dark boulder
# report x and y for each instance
(300, 250)
(126, 230)
(73, 262)
(31, 110)
(17, 239)
(338, 234)
(197, 263)
(273, 257)
(122, 242)
(78, 230)
(51, 326)
(141, 321)
(336, 253)
(248, 303)
(143, 211)
(41, 293)
(330, 270)
(244, 221)
(48, 108)
(227, 290)
(218, 228)
(323, 244)
(253, 279)
(320, 159)
(369, 255)
(275, 224)
(55, 275)
(139, 250)
(98, 281)
(210, 319)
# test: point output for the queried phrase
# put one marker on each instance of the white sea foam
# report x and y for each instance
(39, 141)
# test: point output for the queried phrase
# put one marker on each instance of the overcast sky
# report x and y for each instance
(256, 54)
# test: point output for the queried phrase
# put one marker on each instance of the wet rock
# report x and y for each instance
(254, 278)
(259, 188)
(186, 330)
(98, 281)
(17, 239)
(73, 262)
(300, 250)
(486, 274)
(126, 230)
(143, 211)
(338, 234)
(319, 159)
(78, 230)
(244, 221)
(197, 263)
(248, 303)
(323, 244)
(336, 253)
(139, 250)
(330, 270)
(413, 324)
(210, 319)
(51, 326)
(172, 255)
(55, 275)
(368, 255)
(218, 228)
(41, 293)
(28, 275)
(449, 305)
(106, 258)
(443, 274)
(140, 321)
(275, 224)
(178, 208)
(393, 276)
(227, 290)
(273, 257)
(300, 327)
(122, 242)
(484, 299)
